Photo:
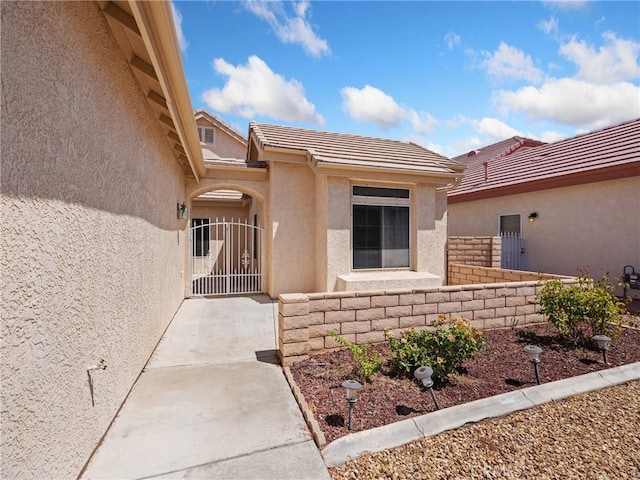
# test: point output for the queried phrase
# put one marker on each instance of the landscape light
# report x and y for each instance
(603, 344)
(534, 357)
(352, 396)
(424, 375)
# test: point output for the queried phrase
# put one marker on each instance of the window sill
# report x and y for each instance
(386, 280)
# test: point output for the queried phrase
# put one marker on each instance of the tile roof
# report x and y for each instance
(611, 152)
(341, 149)
(501, 149)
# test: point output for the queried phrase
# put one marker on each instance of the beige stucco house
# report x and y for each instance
(106, 175)
(576, 202)
(329, 212)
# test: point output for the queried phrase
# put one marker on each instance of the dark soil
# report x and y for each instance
(501, 368)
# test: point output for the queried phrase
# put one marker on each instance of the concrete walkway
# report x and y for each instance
(212, 403)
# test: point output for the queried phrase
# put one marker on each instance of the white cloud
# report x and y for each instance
(615, 61)
(424, 142)
(550, 136)
(574, 102)
(422, 122)
(452, 39)
(550, 27)
(254, 89)
(177, 21)
(465, 145)
(290, 28)
(565, 4)
(372, 105)
(494, 128)
(511, 63)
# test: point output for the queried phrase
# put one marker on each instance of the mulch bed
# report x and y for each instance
(502, 367)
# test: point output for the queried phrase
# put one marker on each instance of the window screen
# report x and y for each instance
(510, 224)
(206, 134)
(380, 236)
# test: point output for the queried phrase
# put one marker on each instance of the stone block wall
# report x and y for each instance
(480, 251)
(472, 275)
(361, 317)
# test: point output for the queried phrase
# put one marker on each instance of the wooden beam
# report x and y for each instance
(122, 17)
(173, 136)
(144, 67)
(178, 148)
(157, 99)
(167, 121)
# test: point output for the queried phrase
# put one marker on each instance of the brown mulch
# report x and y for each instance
(501, 368)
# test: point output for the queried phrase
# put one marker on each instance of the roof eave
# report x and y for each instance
(589, 176)
(157, 29)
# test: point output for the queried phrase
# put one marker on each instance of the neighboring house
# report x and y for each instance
(336, 212)
(98, 142)
(576, 202)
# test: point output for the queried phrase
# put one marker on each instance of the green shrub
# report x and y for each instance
(443, 348)
(368, 360)
(584, 309)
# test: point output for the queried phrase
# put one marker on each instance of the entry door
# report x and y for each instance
(226, 257)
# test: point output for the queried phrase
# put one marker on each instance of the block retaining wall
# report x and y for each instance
(361, 317)
(479, 251)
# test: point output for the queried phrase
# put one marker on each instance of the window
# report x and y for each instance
(206, 135)
(200, 237)
(380, 227)
(509, 224)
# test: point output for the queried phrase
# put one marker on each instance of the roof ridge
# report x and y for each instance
(342, 134)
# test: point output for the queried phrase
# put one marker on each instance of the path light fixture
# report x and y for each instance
(424, 375)
(352, 396)
(603, 344)
(534, 357)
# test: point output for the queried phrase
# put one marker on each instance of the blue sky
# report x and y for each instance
(451, 76)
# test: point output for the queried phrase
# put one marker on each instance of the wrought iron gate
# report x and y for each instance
(512, 248)
(225, 257)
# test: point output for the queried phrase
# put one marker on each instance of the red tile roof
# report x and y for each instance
(340, 149)
(611, 152)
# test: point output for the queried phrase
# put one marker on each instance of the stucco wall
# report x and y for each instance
(338, 234)
(596, 224)
(225, 145)
(226, 211)
(428, 236)
(291, 228)
(92, 251)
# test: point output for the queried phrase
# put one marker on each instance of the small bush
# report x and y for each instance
(443, 348)
(368, 360)
(587, 306)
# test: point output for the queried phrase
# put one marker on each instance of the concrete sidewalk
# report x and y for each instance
(212, 403)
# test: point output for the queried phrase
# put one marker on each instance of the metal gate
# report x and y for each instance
(512, 248)
(225, 257)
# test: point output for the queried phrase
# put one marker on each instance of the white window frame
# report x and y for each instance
(202, 134)
(381, 202)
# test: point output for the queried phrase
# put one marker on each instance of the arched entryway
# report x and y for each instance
(226, 241)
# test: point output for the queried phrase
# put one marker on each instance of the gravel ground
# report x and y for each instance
(590, 436)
